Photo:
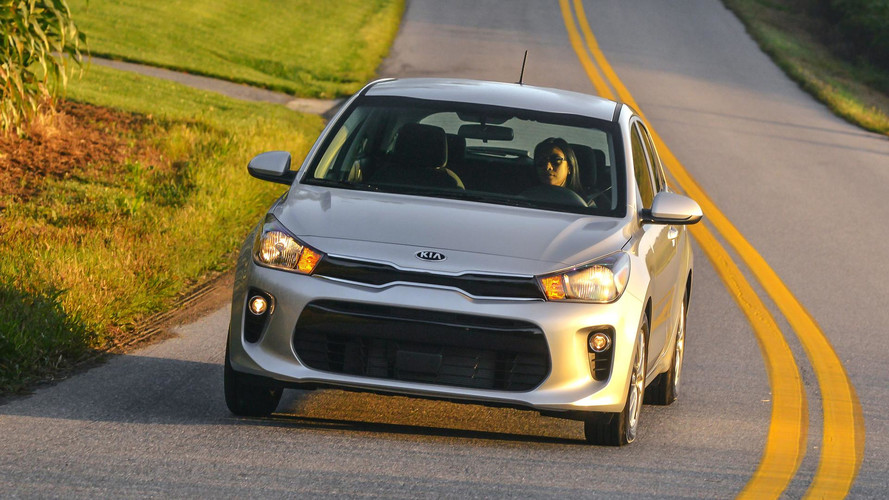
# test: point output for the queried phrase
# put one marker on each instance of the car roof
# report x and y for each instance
(511, 95)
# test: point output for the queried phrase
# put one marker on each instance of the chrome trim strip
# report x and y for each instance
(425, 285)
(434, 273)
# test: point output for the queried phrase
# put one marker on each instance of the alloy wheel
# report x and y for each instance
(637, 386)
(680, 352)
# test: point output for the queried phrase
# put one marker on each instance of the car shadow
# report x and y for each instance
(139, 389)
(297, 421)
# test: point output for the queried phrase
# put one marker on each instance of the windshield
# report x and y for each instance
(478, 153)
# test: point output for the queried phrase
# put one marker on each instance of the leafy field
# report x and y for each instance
(796, 36)
(303, 47)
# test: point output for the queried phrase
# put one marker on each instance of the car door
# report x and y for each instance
(658, 242)
(676, 234)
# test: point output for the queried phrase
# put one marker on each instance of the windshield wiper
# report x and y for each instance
(328, 182)
(341, 184)
(492, 198)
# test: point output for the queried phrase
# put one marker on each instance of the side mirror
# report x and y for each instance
(672, 208)
(273, 166)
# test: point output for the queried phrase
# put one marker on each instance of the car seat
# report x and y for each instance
(419, 158)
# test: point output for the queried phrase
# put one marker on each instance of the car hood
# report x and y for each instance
(473, 237)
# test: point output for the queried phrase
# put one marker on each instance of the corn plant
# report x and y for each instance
(38, 42)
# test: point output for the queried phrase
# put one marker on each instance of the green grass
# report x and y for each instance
(792, 36)
(92, 253)
(304, 47)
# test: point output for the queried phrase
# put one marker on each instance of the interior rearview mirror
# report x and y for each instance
(486, 132)
(273, 166)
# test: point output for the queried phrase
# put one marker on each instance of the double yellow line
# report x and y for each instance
(842, 443)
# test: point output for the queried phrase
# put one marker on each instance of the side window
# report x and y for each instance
(642, 169)
(658, 171)
(341, 150)
(323, 169)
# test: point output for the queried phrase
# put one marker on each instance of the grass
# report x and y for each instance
(87, 255)
(93, 252)
(792, 36)
(304, 47)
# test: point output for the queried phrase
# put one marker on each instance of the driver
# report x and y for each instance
(557, 165)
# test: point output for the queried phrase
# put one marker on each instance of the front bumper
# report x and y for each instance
(567, 385)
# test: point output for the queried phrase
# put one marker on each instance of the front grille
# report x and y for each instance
(477, 285)
(421, 346)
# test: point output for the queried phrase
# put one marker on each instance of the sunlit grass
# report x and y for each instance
(92, 253)
(853, 90)
(304, 47)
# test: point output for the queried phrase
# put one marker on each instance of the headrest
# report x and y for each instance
(456, 148)
(421, 146)
(600, 158)
(586, 163)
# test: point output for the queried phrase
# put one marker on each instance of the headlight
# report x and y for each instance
(601, 281)
(275, 247)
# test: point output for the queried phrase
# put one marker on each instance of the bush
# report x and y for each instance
(865, 25)
(38, 38)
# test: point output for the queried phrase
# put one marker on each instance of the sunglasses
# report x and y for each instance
(553, 159)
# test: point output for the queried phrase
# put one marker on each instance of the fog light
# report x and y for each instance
(258, 305)
(599, 342)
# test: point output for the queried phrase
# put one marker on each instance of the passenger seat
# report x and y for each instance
(595, 174)
(419, 158)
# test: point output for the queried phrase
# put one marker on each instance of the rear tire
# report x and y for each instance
(621, 428)
(665, 388)
(247, 396)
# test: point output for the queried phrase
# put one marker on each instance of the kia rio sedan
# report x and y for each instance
(479, 242)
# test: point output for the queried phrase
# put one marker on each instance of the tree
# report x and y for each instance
(38, 41)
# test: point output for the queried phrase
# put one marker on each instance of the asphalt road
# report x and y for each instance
(802, 186)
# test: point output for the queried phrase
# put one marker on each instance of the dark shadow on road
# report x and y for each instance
(288, 420)
(726, 117)
(160, 391)
(770, 136)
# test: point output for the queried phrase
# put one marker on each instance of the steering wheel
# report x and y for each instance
(556, 195)
(599, 193)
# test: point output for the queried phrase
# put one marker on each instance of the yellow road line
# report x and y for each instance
(590, 68)
(785, 443)
(786, 440)
(842, 446)
(610, 75)
(843, 437)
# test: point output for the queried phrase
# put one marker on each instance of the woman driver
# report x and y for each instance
(557, 165)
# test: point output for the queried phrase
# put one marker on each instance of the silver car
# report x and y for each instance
(477, 242)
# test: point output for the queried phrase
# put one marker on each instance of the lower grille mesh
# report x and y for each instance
(421, 346)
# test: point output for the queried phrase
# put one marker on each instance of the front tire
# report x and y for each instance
(665, 388)
(621, 428)
(247, 396)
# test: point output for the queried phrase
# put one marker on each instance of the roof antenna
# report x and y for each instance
(522, 75)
